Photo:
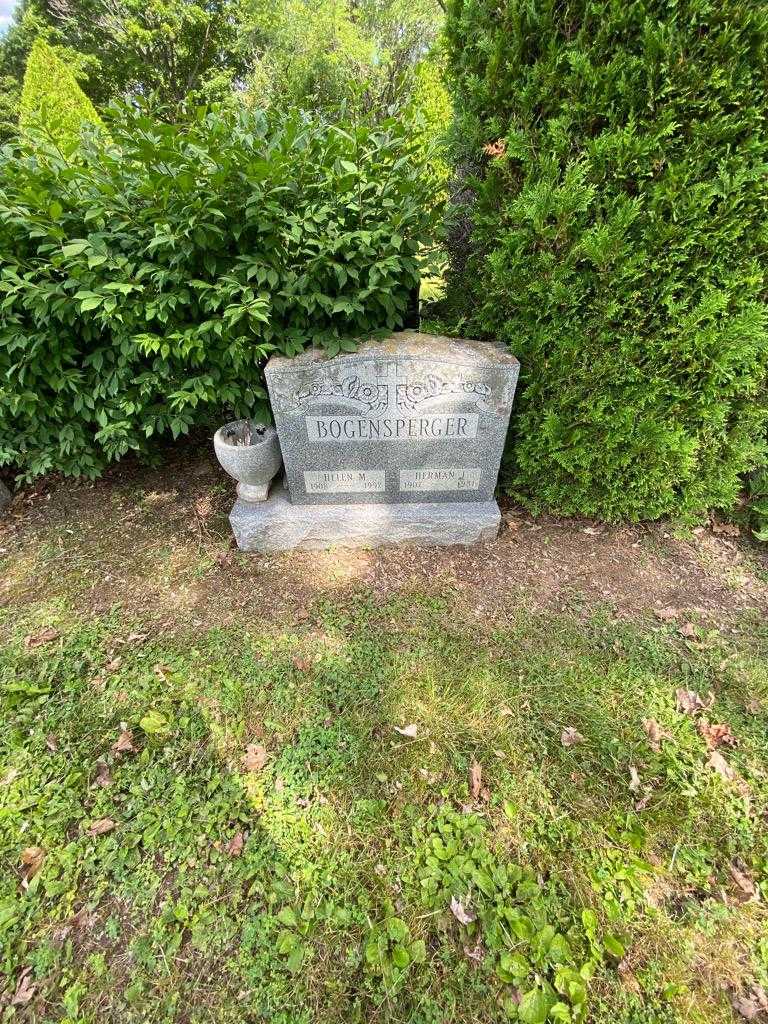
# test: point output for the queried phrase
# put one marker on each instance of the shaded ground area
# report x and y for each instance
(159, 541)
(525, 781)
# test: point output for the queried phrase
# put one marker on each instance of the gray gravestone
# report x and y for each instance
(414, 425)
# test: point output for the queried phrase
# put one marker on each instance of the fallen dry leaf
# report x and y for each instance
(569, 737)
(718, 764)
(409, 731)
(495, 149)
(124, 742)
(743, 880)
(43, 636)
(10, 776)
(644, 800)
(752, 1004)
(688, 629)
(754, 707)
(716, 734)
(255, 757)
(462, 914)
(235, 845)
(475, 780)
(114, 664)
(635, 785)
(726, 529)
(302, 664)
(628, 980)
(25, 988)
(100, 827)
(32, 858)
(52, 742)
(475, 953)
(161, 671)
(103, 777)
(655, 733)
(666, 614)
(689, 702)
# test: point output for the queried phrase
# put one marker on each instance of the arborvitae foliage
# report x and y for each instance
(51, 99)
(618, 245)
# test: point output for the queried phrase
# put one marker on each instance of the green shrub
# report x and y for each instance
(51, 99)
(617, 198)
(143, 287)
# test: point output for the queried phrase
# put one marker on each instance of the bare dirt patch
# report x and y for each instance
(156, 542)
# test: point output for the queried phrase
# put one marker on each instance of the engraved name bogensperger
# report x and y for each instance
(399, 421)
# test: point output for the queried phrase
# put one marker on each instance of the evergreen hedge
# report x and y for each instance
(51, 99)
(144, 284)
(618, 206)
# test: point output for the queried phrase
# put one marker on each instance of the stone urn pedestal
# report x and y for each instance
(250, 453)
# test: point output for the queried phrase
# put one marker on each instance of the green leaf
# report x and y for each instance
(75, 248)
(296, 959)
(400, 957)
(614, 947)
(534, 1006)
(287, 917)
(153, 723)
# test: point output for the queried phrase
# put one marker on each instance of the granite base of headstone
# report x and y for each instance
(397, 443)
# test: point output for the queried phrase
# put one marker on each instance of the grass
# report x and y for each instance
(318, 887)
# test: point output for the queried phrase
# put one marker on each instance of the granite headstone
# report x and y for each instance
(414, 425)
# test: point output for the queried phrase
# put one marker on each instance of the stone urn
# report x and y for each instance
(250, 453)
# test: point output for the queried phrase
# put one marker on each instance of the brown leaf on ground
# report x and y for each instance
(43, 636)
(301, 664)
(628, 979)
(655, 733)
(754, 707)
(716, 734)
(255, 757)
(235, 845)
(495, 149)
(475, 953)
(32, 859)
(635, 785)
(569, 737)
(114, 664)
(666, 614)
(124, 742)
(161, 671)
(103, 777)
(718, 764)
(743, 880)
(52, 742)
(689, 702)
(751, 1004)
(462, 914)
(409, 731)
(25, 988)
(726, 529)
(475, 780)
(688, 630)
(100, 827)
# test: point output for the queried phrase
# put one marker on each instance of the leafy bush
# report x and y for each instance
(144, 285)
(618, 239)
(51, 99)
